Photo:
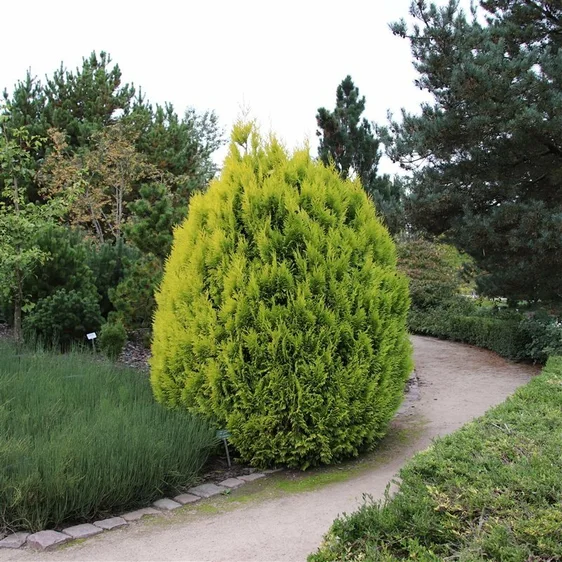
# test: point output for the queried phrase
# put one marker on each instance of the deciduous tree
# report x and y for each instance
(19, 220)
(100, 179)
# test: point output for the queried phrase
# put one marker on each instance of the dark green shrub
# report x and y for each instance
(66, 266)
(113, 337)
(81, 440)
(133, 299)
(510, 333)
(462, 321)
(107, 262)
(63, 318)
(281, 314)
(436, 321)
(153, 217)
(502, 336)
(542, 334)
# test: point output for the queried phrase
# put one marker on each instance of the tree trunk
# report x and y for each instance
(18, 298)
(18, 303)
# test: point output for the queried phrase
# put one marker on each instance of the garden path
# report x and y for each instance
(457, 383)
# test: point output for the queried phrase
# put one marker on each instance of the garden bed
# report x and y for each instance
(82, 439)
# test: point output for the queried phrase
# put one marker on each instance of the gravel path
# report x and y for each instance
(456, 384)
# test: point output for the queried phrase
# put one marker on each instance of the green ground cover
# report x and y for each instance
(490, 491)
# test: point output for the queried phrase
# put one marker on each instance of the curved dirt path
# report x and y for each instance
(270, 521)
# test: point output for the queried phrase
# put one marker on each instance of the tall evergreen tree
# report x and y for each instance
(81, 104)
(347, 141)
(181, 148)
(486, 154)
(88, 99)
(77, 102)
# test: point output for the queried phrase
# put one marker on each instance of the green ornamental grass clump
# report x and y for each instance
(82, 440)
(281, 315)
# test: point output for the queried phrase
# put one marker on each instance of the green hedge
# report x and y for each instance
(497, 334)
(490, 491)
(514, 335)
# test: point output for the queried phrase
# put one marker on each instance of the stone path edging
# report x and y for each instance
(49, 539)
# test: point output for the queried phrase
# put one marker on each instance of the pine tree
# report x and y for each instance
(347, 141)
(486, 155)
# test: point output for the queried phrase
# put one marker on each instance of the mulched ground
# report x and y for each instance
(135, 355)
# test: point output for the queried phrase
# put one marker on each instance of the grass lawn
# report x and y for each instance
(490, 491)
(81, 439)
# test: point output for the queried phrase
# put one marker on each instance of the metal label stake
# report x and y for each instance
(224, 435)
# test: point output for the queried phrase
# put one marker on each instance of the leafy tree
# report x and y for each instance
(78, 103)
(100, 178)
(486, 154)
(347, 141)
(114, 167)
(281, 314)
(19, 219)
(435, 271)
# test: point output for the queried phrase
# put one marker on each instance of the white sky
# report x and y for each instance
(283, 60)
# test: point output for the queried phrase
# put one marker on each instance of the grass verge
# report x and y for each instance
(490, 491)
(81, 439)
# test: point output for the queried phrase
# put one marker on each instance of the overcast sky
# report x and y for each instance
(283, 60)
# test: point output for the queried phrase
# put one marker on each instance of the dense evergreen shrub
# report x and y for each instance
(133, 298)
(281, 314)
(63, 318)
(113, 337)
(107, 262)
(65, 267)
(153, 218)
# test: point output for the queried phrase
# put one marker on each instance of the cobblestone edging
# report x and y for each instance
(48, 539)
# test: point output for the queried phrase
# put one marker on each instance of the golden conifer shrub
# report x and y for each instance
(281, 315)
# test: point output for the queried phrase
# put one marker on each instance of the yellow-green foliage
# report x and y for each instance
(281, 314)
